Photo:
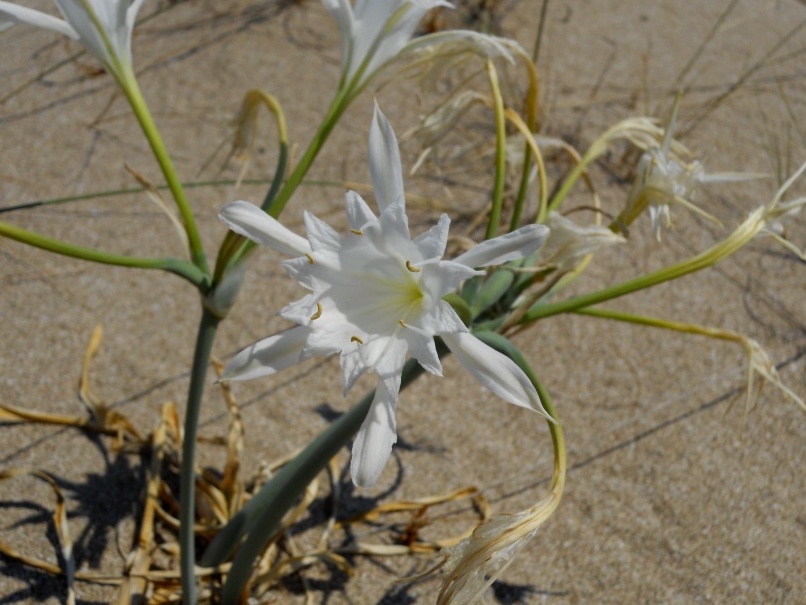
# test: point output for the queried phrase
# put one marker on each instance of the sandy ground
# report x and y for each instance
(673, 495)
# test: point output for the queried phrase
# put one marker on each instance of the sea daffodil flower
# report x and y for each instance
(104, 27)
(376, 296)
(374, 32)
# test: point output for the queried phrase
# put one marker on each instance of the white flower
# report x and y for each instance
(374, 32)
(376, 296)
(104, 27)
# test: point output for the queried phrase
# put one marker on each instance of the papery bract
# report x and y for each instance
(377, 296)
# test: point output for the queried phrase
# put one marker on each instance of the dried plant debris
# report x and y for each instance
(150, 573)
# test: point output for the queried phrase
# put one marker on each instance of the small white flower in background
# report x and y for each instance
(104, 27)
(568, 243)
(376, 297)
(374, 32)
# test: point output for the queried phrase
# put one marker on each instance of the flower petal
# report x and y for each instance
(267, 356)
(342, 12)
(432, 242)
(441, 319)
(250, 221)
(517, 244)
(423, 349)
(373, 444)
(495, 371)
(384, 161)
(321, 235)
(359, 213)
(29, 16)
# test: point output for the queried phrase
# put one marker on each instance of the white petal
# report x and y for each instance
(352, 367)
(250, 221)
(384, 162)
(423, 349)
(517, 244)
(359, 213)
(373, 444)
(390, 366)
(432, 243)
(441, 319)
(321, 235)
(495, 371)
(301, 311)
(444, 276)
(394, 229)
(267, 356)
(29, 16)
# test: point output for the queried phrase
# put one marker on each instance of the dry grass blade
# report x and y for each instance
(409, 540)
(101, 415)
(231, 484)
(133, 587)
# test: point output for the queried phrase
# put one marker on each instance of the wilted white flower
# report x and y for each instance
(104, 27)
(664, 178)
(760, 368)
(439, 122)
(568, 243)
(480, 559)
(376, 297)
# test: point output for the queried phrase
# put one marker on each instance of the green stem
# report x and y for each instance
(665, 324)
(276, 206)
(138, 104)
(173, 265)
(500, 154)
(337, 107)
(187, 482)
(743, 234)
(531, 122)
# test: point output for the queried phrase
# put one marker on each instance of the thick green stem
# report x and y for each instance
(138, 104)
(187, 484)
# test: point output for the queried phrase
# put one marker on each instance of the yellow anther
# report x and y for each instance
(318, 313)
(402, 323)
(411, 267)
(356, 339)
(309, 257)
(356, 231)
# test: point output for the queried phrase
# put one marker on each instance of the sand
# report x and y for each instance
(673, 494)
